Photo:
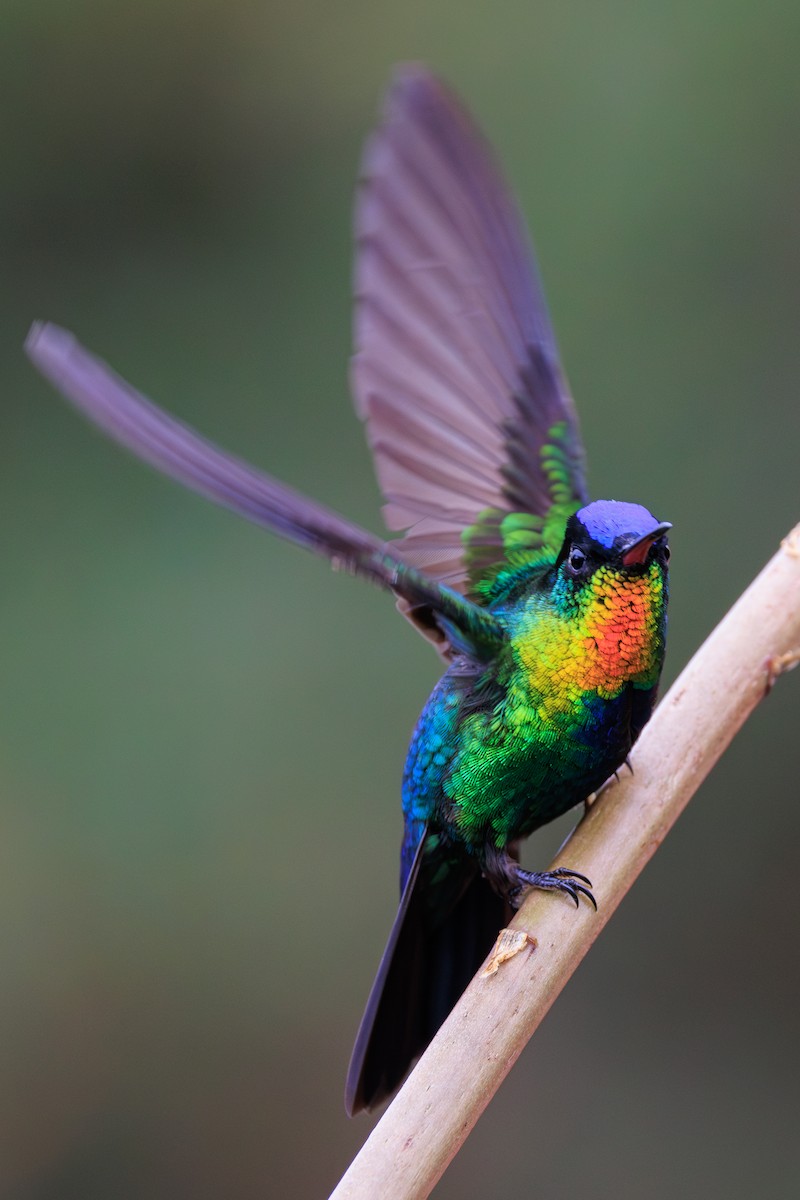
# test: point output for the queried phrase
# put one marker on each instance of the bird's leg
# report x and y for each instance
(509, 879)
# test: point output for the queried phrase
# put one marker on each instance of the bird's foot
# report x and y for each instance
(591, 800)
(562, 879)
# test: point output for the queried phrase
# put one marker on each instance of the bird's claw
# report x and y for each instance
(566, 873)
(561, 879)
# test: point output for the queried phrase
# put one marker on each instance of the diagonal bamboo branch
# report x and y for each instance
(423, 1129)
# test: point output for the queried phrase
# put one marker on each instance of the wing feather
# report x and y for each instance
(143, 428)
(456, 370)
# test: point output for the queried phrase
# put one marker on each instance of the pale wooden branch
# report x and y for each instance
(461, 1070)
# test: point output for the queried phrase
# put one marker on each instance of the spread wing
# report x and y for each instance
(456, 372)
(452, 622)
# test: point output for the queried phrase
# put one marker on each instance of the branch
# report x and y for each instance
(421, 1132)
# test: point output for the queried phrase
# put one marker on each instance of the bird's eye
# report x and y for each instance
(667, 553)
(577, 559)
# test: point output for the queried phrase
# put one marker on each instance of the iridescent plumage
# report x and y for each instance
(549, 611)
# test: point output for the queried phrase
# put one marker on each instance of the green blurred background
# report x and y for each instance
(203, 729)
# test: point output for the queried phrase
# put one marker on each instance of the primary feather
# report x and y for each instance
(456, 370)
(143, 428)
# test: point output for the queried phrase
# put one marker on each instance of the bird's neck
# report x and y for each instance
(595, 641)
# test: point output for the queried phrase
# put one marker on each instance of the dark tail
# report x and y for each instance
(428, 962)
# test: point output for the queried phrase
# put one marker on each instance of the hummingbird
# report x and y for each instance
(548, 610)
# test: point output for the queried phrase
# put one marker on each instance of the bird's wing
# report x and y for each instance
(456, 370)
(143, 428)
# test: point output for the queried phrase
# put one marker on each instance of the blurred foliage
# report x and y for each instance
(202, 730)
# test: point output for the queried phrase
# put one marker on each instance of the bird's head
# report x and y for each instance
(610, 533)
(611, 587)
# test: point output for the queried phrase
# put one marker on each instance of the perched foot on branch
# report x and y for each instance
(559, 880)
(591, 800)
(510, 881)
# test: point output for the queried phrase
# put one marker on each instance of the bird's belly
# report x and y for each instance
(508, 776)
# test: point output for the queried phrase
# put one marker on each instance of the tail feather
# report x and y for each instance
(427, 964)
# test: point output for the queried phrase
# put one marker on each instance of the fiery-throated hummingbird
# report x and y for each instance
(549, 611)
